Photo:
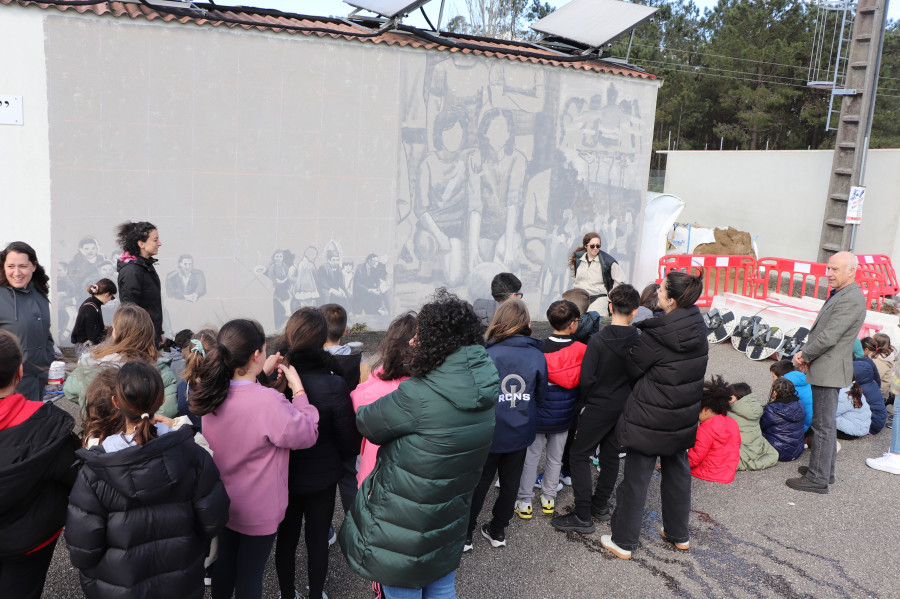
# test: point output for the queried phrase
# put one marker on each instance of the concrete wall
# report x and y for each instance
(24, 150)
(780, 196)
(296, 170)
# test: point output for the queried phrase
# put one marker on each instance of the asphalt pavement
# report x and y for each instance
(754, 537)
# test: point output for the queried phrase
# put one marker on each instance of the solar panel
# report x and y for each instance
(387, 8)
(593, 22)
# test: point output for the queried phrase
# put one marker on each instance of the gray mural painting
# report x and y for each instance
(365, 175)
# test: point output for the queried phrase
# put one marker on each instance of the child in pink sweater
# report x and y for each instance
(389, 371)
(251, 430)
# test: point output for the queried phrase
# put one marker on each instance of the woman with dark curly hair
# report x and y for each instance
(138, 281)
(435, 432)
(25, 312)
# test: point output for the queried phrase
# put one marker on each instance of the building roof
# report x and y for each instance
(272, 20)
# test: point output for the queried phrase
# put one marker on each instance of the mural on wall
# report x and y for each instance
(507, 168)
(468, 166)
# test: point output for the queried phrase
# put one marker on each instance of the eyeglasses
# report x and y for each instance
(594, 246)
(517, 294)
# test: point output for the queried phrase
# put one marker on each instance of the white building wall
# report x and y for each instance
(779, 196)
(24, 149)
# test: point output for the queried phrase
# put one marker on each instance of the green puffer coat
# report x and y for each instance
(756, 452)
(408, 522)
(77, 383)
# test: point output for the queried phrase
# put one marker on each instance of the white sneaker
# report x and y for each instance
(566, 480)
(889, 462)
(333, 538)
(837, 448)
(548, 506)
(523, 509)
(607, 543)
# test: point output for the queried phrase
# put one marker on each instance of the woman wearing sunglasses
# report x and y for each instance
(595, 271)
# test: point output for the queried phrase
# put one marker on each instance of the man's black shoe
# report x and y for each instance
(804, 484)
(803, 470)
(574, 523)
(600, 515)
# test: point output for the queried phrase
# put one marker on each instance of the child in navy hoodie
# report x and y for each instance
(603, 390)
(782, 420)
(523, 387)
(555, 414)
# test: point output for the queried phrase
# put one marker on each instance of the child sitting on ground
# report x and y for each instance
(854, 417)
(756, 452)
(786, 369)
(555, 415)
(717, 451)
(782, 420)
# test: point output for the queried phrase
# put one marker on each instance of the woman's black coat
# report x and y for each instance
(139, 284)
(668, 361)
(89, 322)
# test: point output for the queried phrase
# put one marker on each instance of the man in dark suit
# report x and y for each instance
(186, 283)
(828, 359)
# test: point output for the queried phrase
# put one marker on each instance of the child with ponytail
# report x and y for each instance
(89, 328)
(251, 430)
(146, 502)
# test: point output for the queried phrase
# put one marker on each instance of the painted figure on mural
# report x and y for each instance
(304, 289)
(280, 271)
(66, 302)
(330, 277)
(446, 194)
(186, 283)
(494, 221)
(84, 268)
(370, 287)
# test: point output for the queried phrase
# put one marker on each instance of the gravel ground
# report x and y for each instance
(752, 538)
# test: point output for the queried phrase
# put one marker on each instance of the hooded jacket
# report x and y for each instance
(865, 372)
(139, 284)
(756, 452)
(408, 521)
(316, 468)
(76, 385)
(485, 309)
(851, 421)
(523, 388)
(26, 314)
(37, 470)
(804, 392)
(555, 413)
(717, 451)
(782, 426)
(604, 381)
(668, 361)
(140, 518)
(89, 322)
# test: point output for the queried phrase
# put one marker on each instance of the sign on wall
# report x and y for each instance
(855, 205)
(11, 110)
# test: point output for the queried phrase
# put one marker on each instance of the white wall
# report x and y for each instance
(24, 150)
(779, 196)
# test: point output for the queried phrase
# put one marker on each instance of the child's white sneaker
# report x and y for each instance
(548, 506)
(523, 509)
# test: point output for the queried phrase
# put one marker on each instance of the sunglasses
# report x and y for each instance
(594, 246)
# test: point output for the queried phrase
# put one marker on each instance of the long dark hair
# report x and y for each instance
(583, 247)
(235, 345)
(140, 393)
(394, 352)
(685, 289)
(10, 358)
(39, 279)
(444, 325)
(855, 394)
(128, 234)
(304, 335)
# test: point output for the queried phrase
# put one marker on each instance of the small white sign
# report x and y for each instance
(721, 262)
(11, 110)
(855, 205)
(802, 267)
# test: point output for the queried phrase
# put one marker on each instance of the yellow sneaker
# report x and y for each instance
(523, 509)
(548, 506)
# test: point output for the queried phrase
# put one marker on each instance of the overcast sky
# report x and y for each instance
(451, 9)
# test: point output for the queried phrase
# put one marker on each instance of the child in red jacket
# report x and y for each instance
(717, 451)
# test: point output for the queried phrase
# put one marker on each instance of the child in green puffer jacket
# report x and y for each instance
(756, 452)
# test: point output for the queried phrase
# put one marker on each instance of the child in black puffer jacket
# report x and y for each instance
(146, 503)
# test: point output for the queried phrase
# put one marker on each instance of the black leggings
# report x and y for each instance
(317, 509)
(509, 467)
(240, 566)
(23, 577)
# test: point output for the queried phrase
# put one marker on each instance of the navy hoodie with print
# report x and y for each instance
(523, 385)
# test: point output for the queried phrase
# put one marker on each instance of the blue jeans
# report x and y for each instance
(895, 439)
(442, 588)
(824, 429)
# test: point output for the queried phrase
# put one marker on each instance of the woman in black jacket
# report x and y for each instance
(138, 281)
(89, 326)
(314, 472)
(37, 469)
(661, 416)
(146, 503)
